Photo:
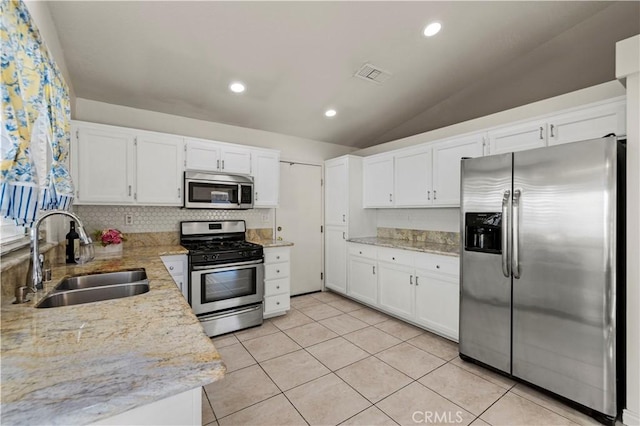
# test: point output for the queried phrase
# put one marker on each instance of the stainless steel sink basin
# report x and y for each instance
(94, 294)
(102, 279)
(90, 288)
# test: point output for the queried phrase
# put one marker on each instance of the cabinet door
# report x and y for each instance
(335, 255)
(104, 165)
(378, 181)
(202, 155)
(335, 192)
(363, 284)
(438, 302)
(413, 171)
(396, 289)
(588, 124)
(518, 138)
(235, 160)
(159, 170)
(266, 178)
(446, 172)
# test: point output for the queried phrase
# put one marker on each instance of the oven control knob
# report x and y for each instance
(205, 257)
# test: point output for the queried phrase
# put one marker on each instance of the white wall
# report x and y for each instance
(291, 147)
(574, 99)
(447, 220)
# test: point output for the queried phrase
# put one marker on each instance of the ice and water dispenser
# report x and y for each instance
(483, 232)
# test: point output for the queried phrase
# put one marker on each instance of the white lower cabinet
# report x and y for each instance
(277, 282)
(421, 288)
(335, 257)
(177, 267)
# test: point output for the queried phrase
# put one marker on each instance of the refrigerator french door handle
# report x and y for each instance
(515, 241)
(506, 197)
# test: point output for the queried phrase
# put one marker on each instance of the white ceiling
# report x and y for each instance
(298, 58)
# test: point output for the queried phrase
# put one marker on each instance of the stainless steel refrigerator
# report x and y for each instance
(542, 266)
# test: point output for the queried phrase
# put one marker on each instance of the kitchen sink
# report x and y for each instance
(90, 288)
(102, 279)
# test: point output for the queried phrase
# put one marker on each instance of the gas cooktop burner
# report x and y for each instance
(219, 246)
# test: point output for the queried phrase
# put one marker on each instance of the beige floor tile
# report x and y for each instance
(327, 297)
(293, 318)
(399, 329)
(271, 346)
(343, 324)
(372, 340)
(310, 334)
(369, 316)
(372, 416)
(485, 373)
(274, 411)
(373, 378)
(436, 345)
(251, 333)
(326, 401)
(299, 302)
(410, 360)
(469, 391)
(337, 353)
(415, 404)
(207, 411)
(212, 424)
(225, 340)
(345, 305)
(296, 368)
(512, 409)
(236, 357)
(320, 312)
(479, 422)
(239, 390)
(553, 405)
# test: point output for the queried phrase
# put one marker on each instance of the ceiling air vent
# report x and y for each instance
(372, 73)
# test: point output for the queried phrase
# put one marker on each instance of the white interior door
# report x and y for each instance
(298, 219)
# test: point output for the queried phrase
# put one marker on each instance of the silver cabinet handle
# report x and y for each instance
(277, 257)
(428, 195)
(551, 128)
(541, 129)
(256, 195)
(515, 251)
(217, 164)
(129, 190)
(277, 271)
(391, 198)
(277, 303)
(410, 279)
(506, 196)
(222, 164)
(178, 192)
(171, 268)
(437, 266)
(434, 194)
(277, 287)
(344, 218)
(374, 270)
(416, 280)
(343, 236)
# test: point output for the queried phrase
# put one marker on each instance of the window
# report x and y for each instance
(12, 236)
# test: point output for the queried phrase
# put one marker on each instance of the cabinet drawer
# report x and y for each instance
(396, 256)
(276, 303)
(273, 287)
(276, 271)
(440, 264)
(273, 255)
(363, 250)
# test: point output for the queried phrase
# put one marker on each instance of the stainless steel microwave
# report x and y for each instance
(204, 190)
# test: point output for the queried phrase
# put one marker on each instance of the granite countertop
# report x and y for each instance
(271, 243)
(421, 246)
(83, 363)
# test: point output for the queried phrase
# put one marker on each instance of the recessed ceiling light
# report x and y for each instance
(432, 29)
(330, 113)
(237, 87)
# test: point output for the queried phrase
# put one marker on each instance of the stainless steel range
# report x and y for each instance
(226, 275)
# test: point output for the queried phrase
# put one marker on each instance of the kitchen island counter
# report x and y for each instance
(421, 246)
(84, 363)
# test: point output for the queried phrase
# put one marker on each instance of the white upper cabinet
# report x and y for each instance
(103, 164)
(378, 181)
(266, 178)
(446, 167)
(217, 157)
(586, 124)
(336, 188)
(518, 138)
(159, 169)
(413, 177)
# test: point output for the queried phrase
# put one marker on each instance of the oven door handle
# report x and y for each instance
(226, 266)
(230, 313)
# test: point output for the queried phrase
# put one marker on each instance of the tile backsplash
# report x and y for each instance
(165, 219)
